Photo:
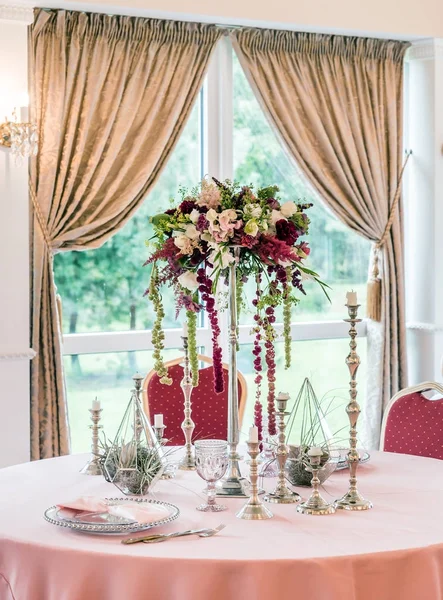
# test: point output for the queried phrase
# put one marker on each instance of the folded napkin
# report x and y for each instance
(143, 513)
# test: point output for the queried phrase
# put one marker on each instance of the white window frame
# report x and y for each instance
(218, 161)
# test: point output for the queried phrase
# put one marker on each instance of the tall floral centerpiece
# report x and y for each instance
(224, 233)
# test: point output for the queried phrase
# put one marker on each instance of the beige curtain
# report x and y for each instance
(337, 104)
(111, 97)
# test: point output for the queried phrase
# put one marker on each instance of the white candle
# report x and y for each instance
(351, 298)
(315, 451)
(24, 114)
(185, 330)
(96, 404)
(158, 420)
(253, 435)
(283, 396)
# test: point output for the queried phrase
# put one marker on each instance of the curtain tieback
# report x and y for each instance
(374, 284)
(47, 239)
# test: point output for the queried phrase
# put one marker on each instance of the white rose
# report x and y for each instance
(288, 209)
(211, 215)
(276, 215)
(194, 215)
(191, 232)
(253, 210)
(184, 243)
(251, 228)
(224, 257)
(188, 280)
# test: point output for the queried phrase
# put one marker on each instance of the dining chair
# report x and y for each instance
(413, 423)
(209, 410)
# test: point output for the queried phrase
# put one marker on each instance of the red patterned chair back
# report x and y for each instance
(413, 424)
(209, 410)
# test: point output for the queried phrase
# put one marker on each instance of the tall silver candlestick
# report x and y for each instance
(188, 461)
(353, 500)
(282, 494)
(254, 509)
(92, 467)
(233, 484)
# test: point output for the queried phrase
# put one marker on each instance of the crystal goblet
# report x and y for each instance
(211, 460)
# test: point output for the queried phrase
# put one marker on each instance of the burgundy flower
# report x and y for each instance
(248, 241)
(170, 211)
(272, 249)
(202, 223)
(187, 206)
(273, 203)
(286, 231)
(196, 257)
(305, 248)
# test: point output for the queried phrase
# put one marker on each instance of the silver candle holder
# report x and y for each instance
(168, 472)
(254, 509)
(353, 500)
(92, 467)
(188, 461)
(282, 494)
(316, 504)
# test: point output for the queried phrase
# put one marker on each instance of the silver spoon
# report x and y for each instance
(162, 537)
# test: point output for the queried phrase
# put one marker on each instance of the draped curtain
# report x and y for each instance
(111, 96)
(336, 103)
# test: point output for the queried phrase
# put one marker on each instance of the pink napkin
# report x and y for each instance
(145, 513)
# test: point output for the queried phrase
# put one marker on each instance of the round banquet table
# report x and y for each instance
(394, 551)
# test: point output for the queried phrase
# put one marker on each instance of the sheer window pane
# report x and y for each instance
(323, 361)
(107, 376)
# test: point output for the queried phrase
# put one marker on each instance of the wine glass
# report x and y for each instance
(211, 459)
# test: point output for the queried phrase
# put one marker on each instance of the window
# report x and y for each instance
(106, 320)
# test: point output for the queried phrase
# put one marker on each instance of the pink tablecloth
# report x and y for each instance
(394, 551)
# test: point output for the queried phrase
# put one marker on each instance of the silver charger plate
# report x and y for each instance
(342, 462)
(104, 523)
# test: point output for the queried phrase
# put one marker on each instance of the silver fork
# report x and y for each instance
(162, 537)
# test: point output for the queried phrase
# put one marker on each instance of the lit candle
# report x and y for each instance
(96, 404)
(24, 114)
(158, 420)
(253, 435)
(315, 451)
(185, 330)
(351, 298)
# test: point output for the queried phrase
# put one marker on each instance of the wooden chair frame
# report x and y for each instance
(421, 387)
(207, 360)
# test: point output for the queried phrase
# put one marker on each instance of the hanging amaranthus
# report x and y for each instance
(192, 345)
(158, 335)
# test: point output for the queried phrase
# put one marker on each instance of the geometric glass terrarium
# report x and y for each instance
(308, 419)
(135, 461)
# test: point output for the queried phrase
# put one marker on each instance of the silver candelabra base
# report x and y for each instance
(254, 509)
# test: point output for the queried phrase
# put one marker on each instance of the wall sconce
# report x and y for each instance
(21, 136)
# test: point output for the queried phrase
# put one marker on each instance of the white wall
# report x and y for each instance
(375, 17)
(424, 225)
(14, 260)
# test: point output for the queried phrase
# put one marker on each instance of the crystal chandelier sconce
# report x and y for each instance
(21, 136)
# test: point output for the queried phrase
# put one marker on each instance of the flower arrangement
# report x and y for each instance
(214, 226)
